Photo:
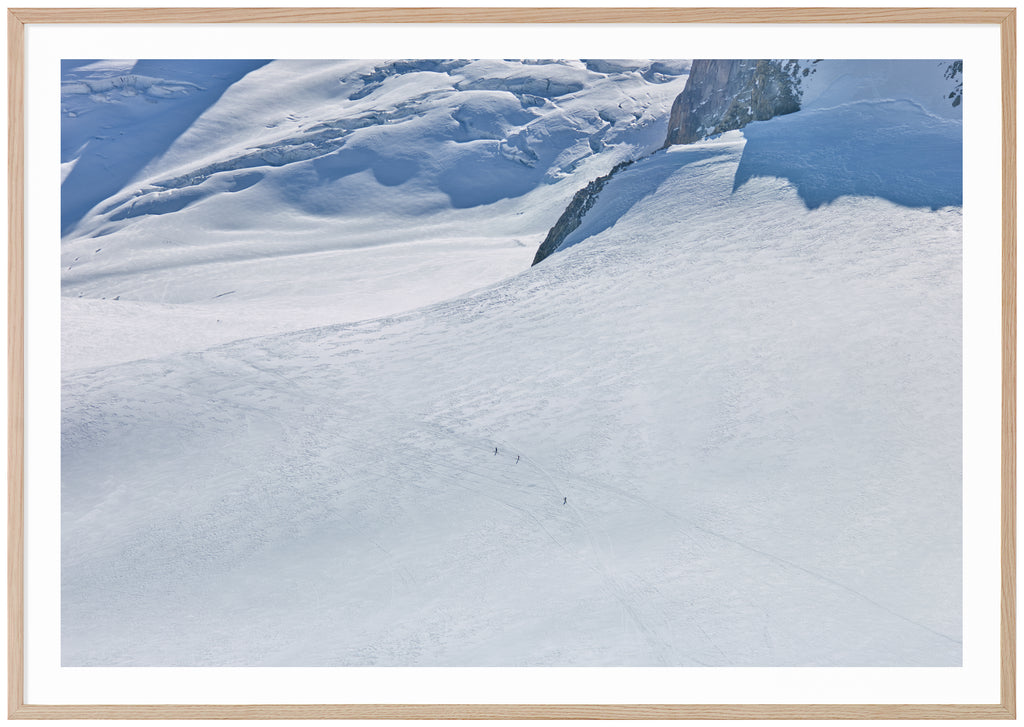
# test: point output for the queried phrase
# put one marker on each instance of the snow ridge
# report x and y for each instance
(128, 85)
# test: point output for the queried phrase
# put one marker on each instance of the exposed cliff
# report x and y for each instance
(955, 74)
(726, 95)
(571, 218)
(722, 95)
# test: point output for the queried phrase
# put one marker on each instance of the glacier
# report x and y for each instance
(720, 426)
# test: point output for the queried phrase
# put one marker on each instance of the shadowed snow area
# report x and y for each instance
(630, 187)
(890, 149)
(893, 150)
(323, 191)
(125, 115)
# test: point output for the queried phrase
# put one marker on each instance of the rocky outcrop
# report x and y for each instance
(573, 215)
(722, 95)
(955, 74)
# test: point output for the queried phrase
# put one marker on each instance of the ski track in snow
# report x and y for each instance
(692, 525)
(657, 641)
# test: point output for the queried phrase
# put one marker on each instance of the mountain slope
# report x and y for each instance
(745, 404)
(117, 116)
(299, 193)
(882, 128)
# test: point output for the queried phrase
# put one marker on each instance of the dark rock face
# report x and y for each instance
(955, 74)
(722, 95)
(573, 215)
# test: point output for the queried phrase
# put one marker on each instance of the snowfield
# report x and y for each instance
(309, 192)
(720, 426)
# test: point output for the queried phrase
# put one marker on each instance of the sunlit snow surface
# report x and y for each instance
(720, 427)
(314, 192)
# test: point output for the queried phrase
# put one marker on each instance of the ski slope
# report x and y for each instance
(748, 403)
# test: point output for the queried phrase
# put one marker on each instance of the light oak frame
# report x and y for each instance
(17, 19)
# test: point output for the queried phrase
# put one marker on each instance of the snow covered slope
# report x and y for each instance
(931, 85)
(228, 199)
(720, 427)
(117, 116)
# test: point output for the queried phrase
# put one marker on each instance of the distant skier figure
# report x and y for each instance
(495, 450)
(517, 459)
(565, 500)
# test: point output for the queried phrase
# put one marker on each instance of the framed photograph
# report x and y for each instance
(489, 363)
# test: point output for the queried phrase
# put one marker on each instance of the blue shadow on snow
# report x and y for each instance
(631, 186)
(889, 149)
(134, 131)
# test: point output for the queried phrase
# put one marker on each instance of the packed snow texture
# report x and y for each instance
(720, 428)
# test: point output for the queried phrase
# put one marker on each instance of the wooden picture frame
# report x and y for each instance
(18, 19)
